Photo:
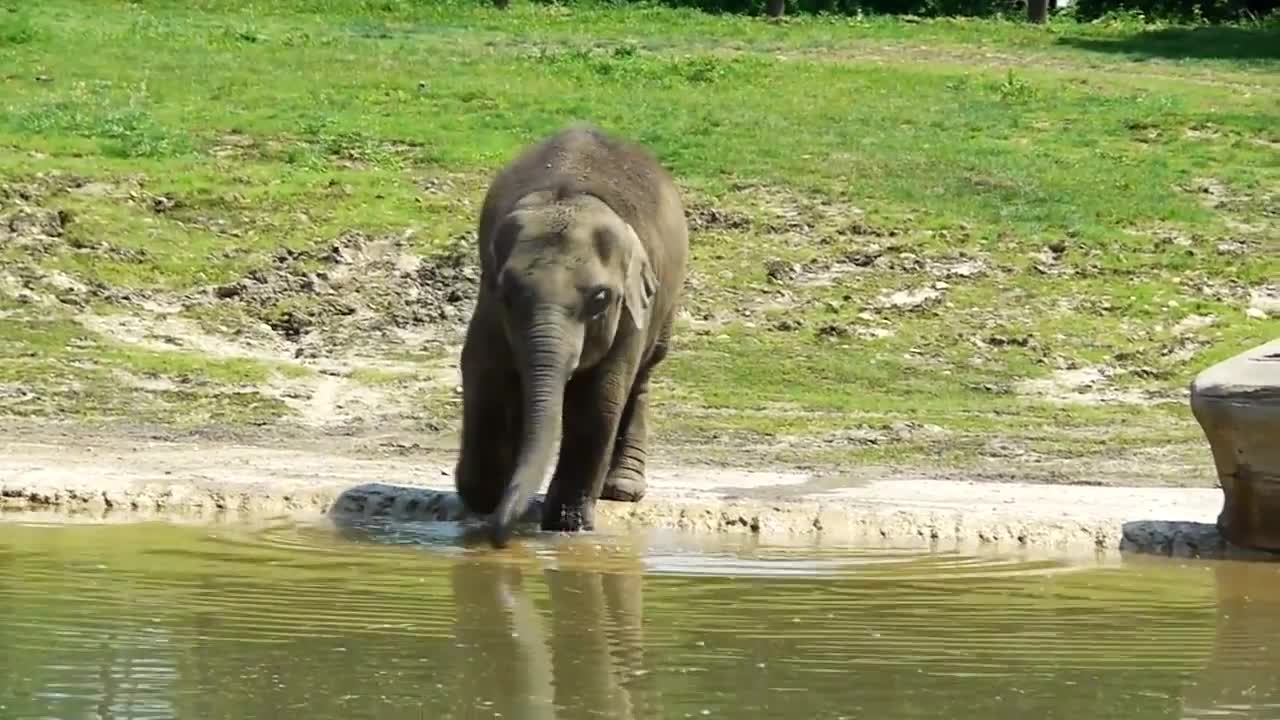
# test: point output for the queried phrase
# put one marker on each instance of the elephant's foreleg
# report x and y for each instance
(490, 423)
(594, 404)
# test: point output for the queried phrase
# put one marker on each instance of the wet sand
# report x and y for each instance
(867, 506)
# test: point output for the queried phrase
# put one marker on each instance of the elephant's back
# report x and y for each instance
(583, 158)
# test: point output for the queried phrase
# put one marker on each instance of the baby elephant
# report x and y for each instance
(583, 247)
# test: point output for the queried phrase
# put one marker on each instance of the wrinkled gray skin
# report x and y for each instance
(583, 248)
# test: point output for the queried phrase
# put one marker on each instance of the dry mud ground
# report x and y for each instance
(75, 477)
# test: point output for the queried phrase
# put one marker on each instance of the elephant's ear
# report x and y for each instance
(642, 283)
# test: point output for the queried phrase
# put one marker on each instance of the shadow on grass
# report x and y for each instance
(1201, 43)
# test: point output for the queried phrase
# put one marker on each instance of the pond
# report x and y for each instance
(312, 620)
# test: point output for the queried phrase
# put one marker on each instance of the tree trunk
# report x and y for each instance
(776, 8)
(1037, 11)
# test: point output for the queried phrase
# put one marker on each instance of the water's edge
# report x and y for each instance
(185, 483)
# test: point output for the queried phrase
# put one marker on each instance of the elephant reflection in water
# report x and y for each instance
(586, 661)
(1242, 676)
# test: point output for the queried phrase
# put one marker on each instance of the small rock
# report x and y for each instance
(94, 189)
(1173, 237)
(872, 333)
(909, 261)
(163, 204)
(864, 257)
(1192, 323)
(1266, 300)
(1255, 314)
(780, 270)
(65, 284)
(1232, 247)
(1009, 340)
(1046, 262)
(911, 299)
(41, 223)
(231, 290)
(966, 269)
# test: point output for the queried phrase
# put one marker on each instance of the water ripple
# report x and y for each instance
(412, 620)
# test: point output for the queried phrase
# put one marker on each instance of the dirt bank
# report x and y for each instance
(64, 480)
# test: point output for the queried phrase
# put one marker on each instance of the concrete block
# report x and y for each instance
(1237, 403)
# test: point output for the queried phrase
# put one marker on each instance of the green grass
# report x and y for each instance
(225, 135)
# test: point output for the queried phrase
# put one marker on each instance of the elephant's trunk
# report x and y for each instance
(549, 359)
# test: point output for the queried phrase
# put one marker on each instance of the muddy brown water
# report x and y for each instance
(309, 620)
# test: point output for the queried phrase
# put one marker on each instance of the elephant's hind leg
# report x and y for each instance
(626, 480)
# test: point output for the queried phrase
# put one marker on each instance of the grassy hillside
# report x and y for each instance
(962, 242)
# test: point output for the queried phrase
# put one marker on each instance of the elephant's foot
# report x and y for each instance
(480, 498)
(478, 501)
(624, 485)
(574, 517)
(626, 479)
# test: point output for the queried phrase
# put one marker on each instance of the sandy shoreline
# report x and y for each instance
(225, 482)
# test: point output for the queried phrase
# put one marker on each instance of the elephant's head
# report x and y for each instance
(566, 271)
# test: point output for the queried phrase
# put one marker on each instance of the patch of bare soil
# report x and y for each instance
(337, 313)
(329, 396)
(1216, 195)
(358, 291)
(1086, 386)
(896, 433)
(31, 230)
(852, 246)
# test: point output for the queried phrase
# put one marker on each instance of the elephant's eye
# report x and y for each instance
(598, 302)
